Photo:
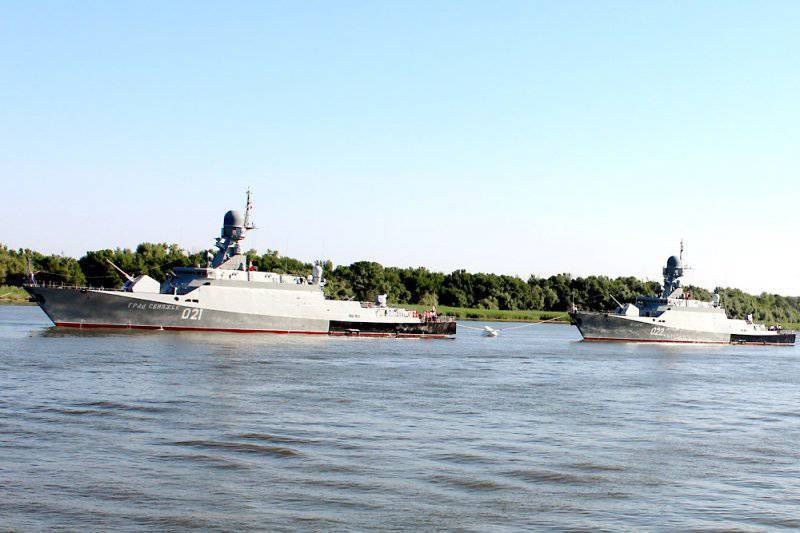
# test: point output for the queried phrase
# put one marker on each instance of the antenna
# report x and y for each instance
(248, 223)
(683, 247)
(127, 276)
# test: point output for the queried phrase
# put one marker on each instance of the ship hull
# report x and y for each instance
(610, 327)
(84, 308)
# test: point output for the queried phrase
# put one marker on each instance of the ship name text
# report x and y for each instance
(152, 306)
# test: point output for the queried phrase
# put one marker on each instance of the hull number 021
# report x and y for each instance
(191, 314)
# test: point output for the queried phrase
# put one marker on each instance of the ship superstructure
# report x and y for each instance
(229, 295)
(675, 317)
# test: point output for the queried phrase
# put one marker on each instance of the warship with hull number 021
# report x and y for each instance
(228, 295)
(675, 317)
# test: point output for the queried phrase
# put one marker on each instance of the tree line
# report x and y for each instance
(363, 280)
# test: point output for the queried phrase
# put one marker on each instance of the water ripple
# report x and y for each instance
(242, 447)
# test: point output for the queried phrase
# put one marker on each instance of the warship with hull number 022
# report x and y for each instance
(675, 317)
(228, 295)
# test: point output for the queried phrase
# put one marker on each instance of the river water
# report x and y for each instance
(532, 429)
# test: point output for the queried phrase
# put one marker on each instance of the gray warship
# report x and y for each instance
(229, 295)
(676, 318)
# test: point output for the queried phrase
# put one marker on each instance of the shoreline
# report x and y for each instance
(527, 321)
(18, 296)
(494, 315)
(10, 295)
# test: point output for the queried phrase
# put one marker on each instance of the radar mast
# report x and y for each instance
(672, 276)
(234, 228)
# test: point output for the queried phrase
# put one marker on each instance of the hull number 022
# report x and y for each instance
(657, 331)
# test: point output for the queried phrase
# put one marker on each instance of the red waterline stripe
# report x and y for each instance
(182, 328)
(232, 330)
(608, 339)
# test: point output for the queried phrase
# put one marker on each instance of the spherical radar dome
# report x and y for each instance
(673, 262)
(233, 218)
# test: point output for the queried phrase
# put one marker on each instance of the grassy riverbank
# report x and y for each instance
(466, 313)
(13, 295)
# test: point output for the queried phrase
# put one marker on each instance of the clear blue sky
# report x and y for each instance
(529, 137)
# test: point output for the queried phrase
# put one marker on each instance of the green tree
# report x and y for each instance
(367, 279)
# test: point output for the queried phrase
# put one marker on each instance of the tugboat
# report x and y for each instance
(675, 317)
(228, 295)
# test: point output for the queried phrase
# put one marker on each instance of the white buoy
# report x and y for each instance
(490, 332)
